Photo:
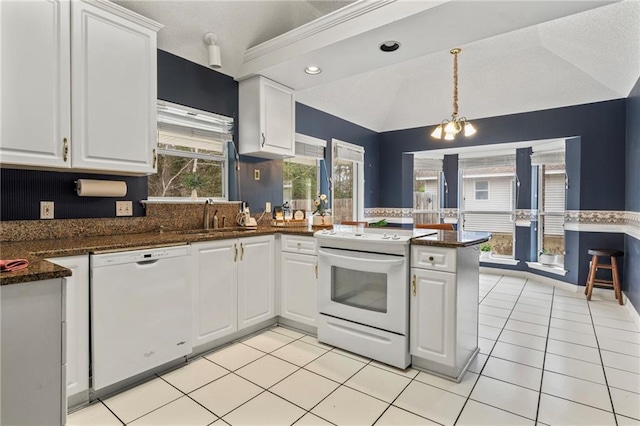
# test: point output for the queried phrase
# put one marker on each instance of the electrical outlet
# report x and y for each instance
(124, 208)
(267, 207)
(46, 209)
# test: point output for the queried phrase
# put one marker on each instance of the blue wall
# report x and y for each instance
(319, 124)
(600, 126)
(596, 147)
(632, 245)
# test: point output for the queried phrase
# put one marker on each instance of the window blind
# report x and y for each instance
(310, 151)
(186, 128)
(548, 158)
(497, 161)
(427, 164)
(348, 152)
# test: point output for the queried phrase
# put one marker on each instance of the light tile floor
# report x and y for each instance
(546, 357)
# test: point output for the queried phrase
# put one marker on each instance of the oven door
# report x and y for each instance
(367, 288)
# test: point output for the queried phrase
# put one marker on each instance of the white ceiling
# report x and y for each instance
(517, 56)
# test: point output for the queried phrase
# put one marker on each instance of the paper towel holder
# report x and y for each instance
(100, 188)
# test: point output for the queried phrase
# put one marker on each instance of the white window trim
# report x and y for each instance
(310, 140)
(359, 174)
(223, 158)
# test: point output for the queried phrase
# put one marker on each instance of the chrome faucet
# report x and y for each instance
(206, 221)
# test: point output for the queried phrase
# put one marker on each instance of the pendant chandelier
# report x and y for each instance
(456, 124)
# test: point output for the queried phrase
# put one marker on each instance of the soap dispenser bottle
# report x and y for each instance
(215, 220)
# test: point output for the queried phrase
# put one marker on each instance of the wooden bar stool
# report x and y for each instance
(613, 267)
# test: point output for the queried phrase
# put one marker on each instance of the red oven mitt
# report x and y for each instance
(13, 264)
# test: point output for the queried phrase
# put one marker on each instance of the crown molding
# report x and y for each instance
(340, 16)
(126, 14)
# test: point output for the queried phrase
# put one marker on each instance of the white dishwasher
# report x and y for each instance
(140, 311)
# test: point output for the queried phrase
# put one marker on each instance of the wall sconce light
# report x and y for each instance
(215, 59)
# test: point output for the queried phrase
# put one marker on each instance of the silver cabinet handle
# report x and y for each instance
(264, 140)
(65, 149)
(241, 251)
(413, 285)
(235, 256)
(316, 271)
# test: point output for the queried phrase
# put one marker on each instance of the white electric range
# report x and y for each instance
(363, 291)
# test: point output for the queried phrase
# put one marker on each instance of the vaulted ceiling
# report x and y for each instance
(517, 56)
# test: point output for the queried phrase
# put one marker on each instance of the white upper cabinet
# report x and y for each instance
(113, 89)
(35, 108)
(267, 118)
(104, 118)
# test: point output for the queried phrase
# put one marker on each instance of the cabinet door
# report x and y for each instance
(432, 316)
(77, 318)
(35, 83)
(299, 283)
(32, 374)
(278, 113)
(114, 92)
(255, 280)
(214, 290)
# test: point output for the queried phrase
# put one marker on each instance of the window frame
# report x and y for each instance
(476, 190)
(358, 173)
(222, 158)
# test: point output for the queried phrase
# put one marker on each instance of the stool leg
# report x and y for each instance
(592, 276)
(586, 286)
(616, 279)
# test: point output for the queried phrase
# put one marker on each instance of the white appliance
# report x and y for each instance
(140, 311)
(363, 291)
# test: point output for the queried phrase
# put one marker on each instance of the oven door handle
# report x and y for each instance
(398, 261)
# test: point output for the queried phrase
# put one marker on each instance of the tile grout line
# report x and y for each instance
(489, 355)
(604, 371)
(544, 357)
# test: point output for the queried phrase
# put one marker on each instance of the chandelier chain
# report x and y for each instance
(455, 83)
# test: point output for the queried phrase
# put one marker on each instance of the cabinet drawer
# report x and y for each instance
(298, 244)
(434, 258)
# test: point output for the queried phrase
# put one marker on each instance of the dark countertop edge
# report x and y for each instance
(40, 269)
(448, 239)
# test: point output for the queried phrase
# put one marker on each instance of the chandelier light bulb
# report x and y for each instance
(469, 129)
(449, 137)
(451, 127)
(437, 133)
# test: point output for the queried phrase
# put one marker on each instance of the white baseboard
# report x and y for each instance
(632, 310)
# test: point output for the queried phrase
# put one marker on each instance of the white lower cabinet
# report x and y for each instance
(299, 282)
(299, 279)
(443, 335)
(77, 321)
(233, 286)
(432, 307)
(255, 280)
(33, 362)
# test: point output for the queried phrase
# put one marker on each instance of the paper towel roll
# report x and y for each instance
(101, 188)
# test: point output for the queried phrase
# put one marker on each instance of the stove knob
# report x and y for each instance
(396, 237)
(385, 236)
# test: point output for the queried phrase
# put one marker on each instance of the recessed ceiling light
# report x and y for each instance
(313, 70)
(390, 46)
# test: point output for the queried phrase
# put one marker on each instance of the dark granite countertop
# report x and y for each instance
(36, 251)
(452, 239)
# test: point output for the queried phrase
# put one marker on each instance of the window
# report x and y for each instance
(479, 175)
(482, 190)
(302, 173)
(192, 154)
(427, 177)
(348, 182)
(550, 181)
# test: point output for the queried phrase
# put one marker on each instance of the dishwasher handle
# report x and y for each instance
(147, 262)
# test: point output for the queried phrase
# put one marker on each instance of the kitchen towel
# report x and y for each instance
(13, 265)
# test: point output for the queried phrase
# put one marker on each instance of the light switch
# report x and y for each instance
(46, 209)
